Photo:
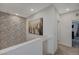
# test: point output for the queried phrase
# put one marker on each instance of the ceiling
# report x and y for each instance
(27, 9)
(22, 9)
(66, 7)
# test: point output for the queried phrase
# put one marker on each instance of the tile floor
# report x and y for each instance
(64, 50)
(75, 42)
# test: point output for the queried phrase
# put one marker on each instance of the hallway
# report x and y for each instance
(64, 50)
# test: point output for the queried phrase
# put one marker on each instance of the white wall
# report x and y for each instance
(75, 28)
(32, 47)
(66, 27)
(49, 26)
(59, 28)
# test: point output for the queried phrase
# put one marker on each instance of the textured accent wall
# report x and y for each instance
(12, 30)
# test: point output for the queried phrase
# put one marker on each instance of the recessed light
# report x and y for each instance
(16, 14)
(31, 9)
(67, 9)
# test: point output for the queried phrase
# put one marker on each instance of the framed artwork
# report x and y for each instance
(36, 26)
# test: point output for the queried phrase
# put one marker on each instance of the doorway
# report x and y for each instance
(75, 34)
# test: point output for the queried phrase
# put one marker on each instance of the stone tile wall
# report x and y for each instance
(12, 30)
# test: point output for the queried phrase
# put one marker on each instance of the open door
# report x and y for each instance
(75, 34)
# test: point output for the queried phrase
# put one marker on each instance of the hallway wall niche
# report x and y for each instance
(49, 16)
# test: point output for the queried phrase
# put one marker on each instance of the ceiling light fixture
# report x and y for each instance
(31, 9)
